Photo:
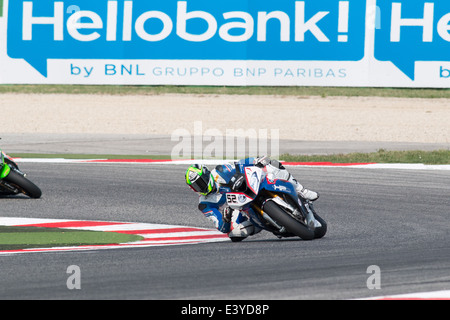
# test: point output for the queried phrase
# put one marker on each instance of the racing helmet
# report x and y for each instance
(200, 179)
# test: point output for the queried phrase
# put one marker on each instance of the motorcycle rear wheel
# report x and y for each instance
(24, 185)
(292, 225)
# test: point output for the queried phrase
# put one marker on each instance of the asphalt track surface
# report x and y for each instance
(394, 219)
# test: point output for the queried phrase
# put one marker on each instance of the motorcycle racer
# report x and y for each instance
(212, 187)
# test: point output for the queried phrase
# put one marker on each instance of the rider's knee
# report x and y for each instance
(243, 230)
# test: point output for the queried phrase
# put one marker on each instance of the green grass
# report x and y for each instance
(259, 90)
(381, 156)
(16, 238)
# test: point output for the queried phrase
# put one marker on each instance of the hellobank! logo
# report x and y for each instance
(413, 30)
(326, 30)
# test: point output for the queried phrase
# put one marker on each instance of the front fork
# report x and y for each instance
(310, 220)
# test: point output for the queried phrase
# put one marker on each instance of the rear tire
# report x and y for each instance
(23, 184)
(291, 225)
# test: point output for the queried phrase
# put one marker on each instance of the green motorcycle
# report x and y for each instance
(13, 181)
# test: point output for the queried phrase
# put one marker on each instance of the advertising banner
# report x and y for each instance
(389, 43)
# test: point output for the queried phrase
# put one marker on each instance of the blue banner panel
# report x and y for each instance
(411, 31)
(326, 30)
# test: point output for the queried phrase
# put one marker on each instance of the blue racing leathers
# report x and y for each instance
(213, 204)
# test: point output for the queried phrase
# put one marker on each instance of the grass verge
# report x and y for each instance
(381, 156)
(250, 90)
(17, 238)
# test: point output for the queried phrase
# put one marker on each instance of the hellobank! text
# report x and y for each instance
(117, 22)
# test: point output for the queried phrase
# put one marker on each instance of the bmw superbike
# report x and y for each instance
(13, 181)
(274, 205)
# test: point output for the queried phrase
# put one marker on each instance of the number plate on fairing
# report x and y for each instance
(237, 200)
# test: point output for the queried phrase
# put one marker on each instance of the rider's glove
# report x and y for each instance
(227, 212)
(237, 183)
(261, 162)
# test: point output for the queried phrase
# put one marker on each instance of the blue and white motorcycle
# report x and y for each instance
(274, 205)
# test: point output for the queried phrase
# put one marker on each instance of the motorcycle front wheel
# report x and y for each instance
(292, 225)
(24, 185)
(322, 230)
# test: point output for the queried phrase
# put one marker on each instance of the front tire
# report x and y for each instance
(292, 225)
(322, 230)
(23, 184)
